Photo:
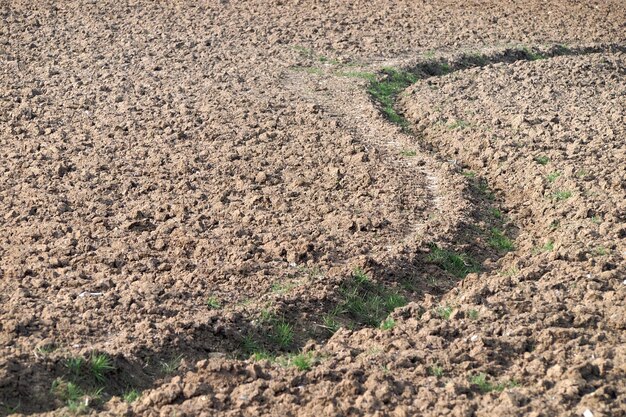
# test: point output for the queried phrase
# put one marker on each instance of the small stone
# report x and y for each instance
(587, 413)
(517, 121)
(260, 178)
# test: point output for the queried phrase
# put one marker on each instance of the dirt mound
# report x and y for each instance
(188, 185)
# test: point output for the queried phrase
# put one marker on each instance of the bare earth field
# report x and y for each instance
(304, 208)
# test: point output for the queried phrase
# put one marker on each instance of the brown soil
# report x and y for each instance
(179, 179)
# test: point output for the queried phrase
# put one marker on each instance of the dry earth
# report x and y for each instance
(196, 190)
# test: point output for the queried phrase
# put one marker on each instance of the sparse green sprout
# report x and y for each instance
(596, 219)
(281, 288)
(499, 241)
(45, 350)
(455, 264)
(555, 224)
(473, 314)
(484, 386)
(444, 312)
(213, 303)
(172, 365)
(600, 251)
(496, 213)
(582, 173)
(481, 381)
(469, 174)
(553, 176)
(100, 364)
(532, 55)
(458, 124)
(249, 345)
(131, 396)
(408, 153)
(282, 334)
(330, 323)
(510, 272)
(562, 195)
(509, 384)
(266, 316)
(542, 160)
(73, 395)
(483, 188)
(388, 324)
(409, 285)
(306, 52)
(262, 356)
(547, 247)
(436, 371)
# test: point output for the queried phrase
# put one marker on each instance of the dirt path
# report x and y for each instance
(192, 188)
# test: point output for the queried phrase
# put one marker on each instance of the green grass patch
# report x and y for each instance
(385, 90)
(542, 160)
(455, 264)
(367, 302)
(553, 176)
(499, 241)
(485, 386)
(213, 303)
(388, 324)
(131, 396)
(561, 195)
(302, 361)
(408, 153)
(74, 365)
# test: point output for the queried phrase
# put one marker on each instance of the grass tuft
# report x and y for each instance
(282, 334)
(170, 366)
(100, 364)
(303, 361)
(74, 365)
